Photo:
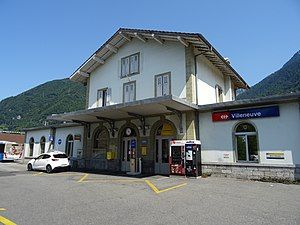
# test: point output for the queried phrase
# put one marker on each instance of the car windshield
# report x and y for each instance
(60, 156)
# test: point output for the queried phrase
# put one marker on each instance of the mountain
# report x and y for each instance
(285, 80)
(31, 107)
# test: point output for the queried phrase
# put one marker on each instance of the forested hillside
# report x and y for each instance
(285, 80)
(31, 107)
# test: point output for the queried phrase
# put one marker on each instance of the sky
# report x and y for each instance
(46, 40)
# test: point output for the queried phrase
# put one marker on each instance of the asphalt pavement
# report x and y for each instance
(87, 198)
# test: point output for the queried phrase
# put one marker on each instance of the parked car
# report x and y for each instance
(49, 162)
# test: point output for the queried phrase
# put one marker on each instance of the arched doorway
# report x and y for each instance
(69, 145)
(163, 135)
(100, 143)
(42, 144)
(128, 148)
(246, 142)
(31, 146)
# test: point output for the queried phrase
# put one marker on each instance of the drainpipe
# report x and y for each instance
(197, 101)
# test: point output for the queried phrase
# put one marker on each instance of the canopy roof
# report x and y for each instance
(147, 107)
(124, 35)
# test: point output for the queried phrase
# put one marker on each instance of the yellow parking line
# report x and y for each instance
(38, 174)
(6, 221)
(157, 191)
(82, 178)
(152, 186)
(2, 209)
(112, 180)
(171, 188)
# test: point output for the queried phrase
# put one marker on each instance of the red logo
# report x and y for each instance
(220, 116)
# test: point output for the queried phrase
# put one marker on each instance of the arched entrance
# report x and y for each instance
(100, 143)
(69, 145)
(163, 135)
(246, 142)
(128, 148)
(42, 144)
(31, 146)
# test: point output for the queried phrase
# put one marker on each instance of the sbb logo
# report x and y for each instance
(220, 116)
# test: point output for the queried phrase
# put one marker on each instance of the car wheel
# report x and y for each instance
(48, 169)
(29, 167)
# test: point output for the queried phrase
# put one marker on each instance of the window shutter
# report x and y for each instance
(166, 83)
(108, 97)
(100, 98)
(126, 93)
(134, 64)
(132, 87)
(159, 86)
(124, 66)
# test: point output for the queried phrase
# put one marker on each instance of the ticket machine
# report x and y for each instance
(185, 158)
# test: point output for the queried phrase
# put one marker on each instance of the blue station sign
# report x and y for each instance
(270, 111)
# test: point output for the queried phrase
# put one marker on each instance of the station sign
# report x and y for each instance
(270, 111)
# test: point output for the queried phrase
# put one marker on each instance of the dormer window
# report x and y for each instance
(130, 65)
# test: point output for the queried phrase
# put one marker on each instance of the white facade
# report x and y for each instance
(62, 134)
(36, 135)
(60, 137)
(275, 135)
(156, 59)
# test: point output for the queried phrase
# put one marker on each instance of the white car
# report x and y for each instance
(49, 161)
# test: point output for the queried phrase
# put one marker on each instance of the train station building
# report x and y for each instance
(147, 89)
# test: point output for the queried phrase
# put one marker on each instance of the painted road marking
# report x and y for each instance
(40, 173)
(157, 191)
(2, 209)
(82, 178)
(6, 221)
(110, 180)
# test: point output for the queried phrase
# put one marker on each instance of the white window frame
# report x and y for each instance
(163, 89)
(134, 94)
(130, 71)
(104, 101)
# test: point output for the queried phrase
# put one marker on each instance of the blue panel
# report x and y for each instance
(271, 111)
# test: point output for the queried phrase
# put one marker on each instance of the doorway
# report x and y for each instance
(164, 134)
(129, 148)
(69, 145)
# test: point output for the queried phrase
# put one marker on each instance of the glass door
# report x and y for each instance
(162, 148)
(126, 153)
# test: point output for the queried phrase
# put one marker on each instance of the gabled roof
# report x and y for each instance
(124, 35)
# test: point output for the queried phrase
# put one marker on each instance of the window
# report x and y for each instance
(101, 138)
(130, 65)
(219, 94)
(60, 156)
(129, 92)
(46, 156)
(42, 144)
(103, 97)
(69, 145)
(31, 145)
(162, 84)
(246, 143)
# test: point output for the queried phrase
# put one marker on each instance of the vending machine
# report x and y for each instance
(193, 159)
(185, 158)
(177, 160)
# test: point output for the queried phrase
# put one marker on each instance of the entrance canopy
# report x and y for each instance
(141, 108)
